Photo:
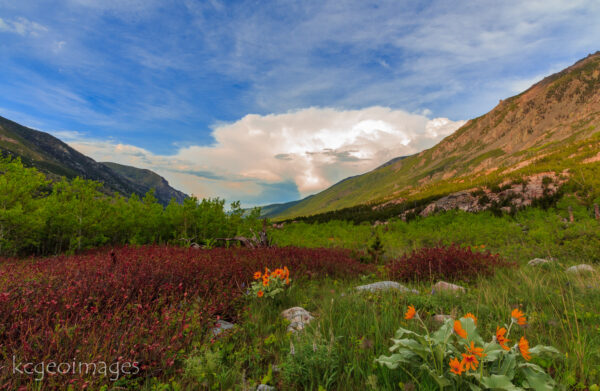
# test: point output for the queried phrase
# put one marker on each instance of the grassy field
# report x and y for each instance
(337, 350)
(350, 330)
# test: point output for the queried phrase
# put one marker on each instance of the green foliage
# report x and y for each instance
(430, 355)
(42, 217)
(313, 363)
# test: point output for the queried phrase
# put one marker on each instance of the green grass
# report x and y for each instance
(337, 350)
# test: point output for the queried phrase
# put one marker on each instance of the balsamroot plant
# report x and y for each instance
(270, 284)
(457, 358)
(445, 262)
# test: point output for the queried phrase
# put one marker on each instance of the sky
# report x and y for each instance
(271, 101)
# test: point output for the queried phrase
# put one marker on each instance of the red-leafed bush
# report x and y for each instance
(444, 262)
(138, 304)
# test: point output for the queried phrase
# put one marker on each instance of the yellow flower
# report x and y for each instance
(470, 315)
(524, 348)
(458, 329)
(456, 366)
(410, 313)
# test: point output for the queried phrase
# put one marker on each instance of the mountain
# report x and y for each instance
(149, 180)
(56, 159)
(554, 125)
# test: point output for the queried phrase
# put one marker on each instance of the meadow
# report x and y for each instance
(147, 304)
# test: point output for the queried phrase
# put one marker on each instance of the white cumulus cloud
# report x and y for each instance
(311, 148)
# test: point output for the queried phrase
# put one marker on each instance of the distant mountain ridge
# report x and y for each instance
(149, 180)
(55, 158)
(522, 134)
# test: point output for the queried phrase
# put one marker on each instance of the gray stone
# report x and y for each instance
(383, 285)
(583, 268)
(442, 286)
(298, 317)
(264, 387)
(538, 261)
(221, 326)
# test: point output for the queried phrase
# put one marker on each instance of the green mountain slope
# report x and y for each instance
(554, 125)
(56, 159)
(149, 180)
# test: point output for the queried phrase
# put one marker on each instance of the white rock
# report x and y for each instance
(221, 326)
(264, 387)
(382, 285)
(298, 317)
(538, 261)
(583, 268)
(442, 286)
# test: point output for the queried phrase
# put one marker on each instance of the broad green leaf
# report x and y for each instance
(499, 382)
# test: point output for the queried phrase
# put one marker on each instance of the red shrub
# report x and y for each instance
(140, 305)
(444, 262)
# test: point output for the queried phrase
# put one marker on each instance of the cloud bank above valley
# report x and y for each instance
(262, 159)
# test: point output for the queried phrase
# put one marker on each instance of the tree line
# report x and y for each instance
(40, 216)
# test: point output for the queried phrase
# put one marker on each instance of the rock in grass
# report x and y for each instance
(221, 326)
(441, 318)
(538, 261)
(382, 285)
(298, 317)
(578, 269)
(264, 387)
(443, 286)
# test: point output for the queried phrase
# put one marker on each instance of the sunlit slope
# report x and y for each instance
(552, 125)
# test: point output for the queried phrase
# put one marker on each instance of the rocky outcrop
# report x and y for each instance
(298, 318)
(506, 196)
(443, 286)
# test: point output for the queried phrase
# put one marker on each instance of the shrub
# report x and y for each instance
(444, 262)
(144, 305)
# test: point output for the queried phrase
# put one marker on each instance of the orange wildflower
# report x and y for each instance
(458, 329)
(265, 281)
(260, 293)
(518, 317)
(257, 275)
(410, 313)
(469, 361)
(287, 281)
(502, 340)
(470, 315)
(456, 366)
(524, 348)
(476, 351)
(286, 271)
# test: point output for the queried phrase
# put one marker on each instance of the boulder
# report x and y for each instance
(221, 326)
(264, 387)
(298, 317)
(583, 268)
(538, 261)
(442, 286)
(384, 285)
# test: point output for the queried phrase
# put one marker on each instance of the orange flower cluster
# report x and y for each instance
(518, 317)
(282, 274)
(410, 313)
(469, 360)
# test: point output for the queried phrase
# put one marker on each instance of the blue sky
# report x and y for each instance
(269, 101)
